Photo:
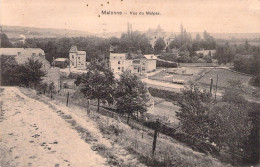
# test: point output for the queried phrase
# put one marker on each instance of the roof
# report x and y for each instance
(81, 52)
(118, 55)
(205, 52)
(73, 48)
(150, 57)
(23, 51)
(61, 59)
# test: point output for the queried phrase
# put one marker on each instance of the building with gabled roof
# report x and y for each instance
(21, 55)
(77, 58)
(136, 64)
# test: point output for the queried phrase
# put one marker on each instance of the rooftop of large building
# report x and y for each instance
(22, 51)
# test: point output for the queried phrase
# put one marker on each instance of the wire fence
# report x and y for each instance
(143, 141)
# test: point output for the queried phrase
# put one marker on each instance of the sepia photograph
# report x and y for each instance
(129, 83)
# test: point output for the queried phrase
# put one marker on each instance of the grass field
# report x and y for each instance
(184, 73)
(224, 76)
(165, 110)
(202, 76)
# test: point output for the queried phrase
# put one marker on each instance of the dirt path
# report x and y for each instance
(32, 134)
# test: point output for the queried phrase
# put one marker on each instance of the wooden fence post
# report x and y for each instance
(88, 107)
(51, 95)
(211, 84)
(155, 135)
(68, 99)
(216, 88)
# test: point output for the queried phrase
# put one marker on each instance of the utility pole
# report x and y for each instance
(211, 84)
(155, 135)
(216, 88)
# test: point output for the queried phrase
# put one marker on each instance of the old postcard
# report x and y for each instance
(129, 83)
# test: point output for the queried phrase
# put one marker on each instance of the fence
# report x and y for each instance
(146, 140)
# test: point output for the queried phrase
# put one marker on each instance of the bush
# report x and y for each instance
(165, 64)
(164, 94)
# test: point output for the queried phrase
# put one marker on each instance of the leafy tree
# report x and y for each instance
(30, 73)
(8, 70)
(98, 82)
(159, 45)
(193, 114)
(231, 129)
(4, 42)
(131, 95)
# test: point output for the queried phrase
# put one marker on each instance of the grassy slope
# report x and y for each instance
(169, 152)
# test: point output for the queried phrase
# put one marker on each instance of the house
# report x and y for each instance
(21, 55)
(118, 62)
(138, 64)
(77, 58)
(61, 62)
(206, 52)
(154, 34)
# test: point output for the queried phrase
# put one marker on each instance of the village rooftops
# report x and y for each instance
(61, 59)
(21, 51)
(205, 52)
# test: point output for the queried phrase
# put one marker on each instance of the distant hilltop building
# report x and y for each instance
(21, 55)
(136, 64)
(154, 34)
(206, 52)
(77, 58)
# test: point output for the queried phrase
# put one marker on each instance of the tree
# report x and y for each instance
(232, 127)
(98, 82)
(4, 41)
(159, 45)
(8, 70)
(131, 95)
(30, 73)
(193, 114)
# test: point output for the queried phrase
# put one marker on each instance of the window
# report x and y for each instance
(18, 53)
(135, 67)
(118, 68)
(122, 69)
(154, 37)
(118, 62)
(114, 57)
(72, 56)
(34, 54)
(78, 57)
(143, 68)
(40, 54)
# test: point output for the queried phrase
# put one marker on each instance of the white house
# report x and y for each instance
(119, 63)
(77, 58)
(206, 52)
(21, 55)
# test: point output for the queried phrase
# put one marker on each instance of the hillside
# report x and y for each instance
(19, 32)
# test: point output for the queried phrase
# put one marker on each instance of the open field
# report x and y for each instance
(224, 76)
(201, 76)
(185, 74)
(165, 110)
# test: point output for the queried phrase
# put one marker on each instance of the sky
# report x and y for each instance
(216, 16)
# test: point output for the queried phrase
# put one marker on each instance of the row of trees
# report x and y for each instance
(128, 94)
(232, 124)
(95, 47)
